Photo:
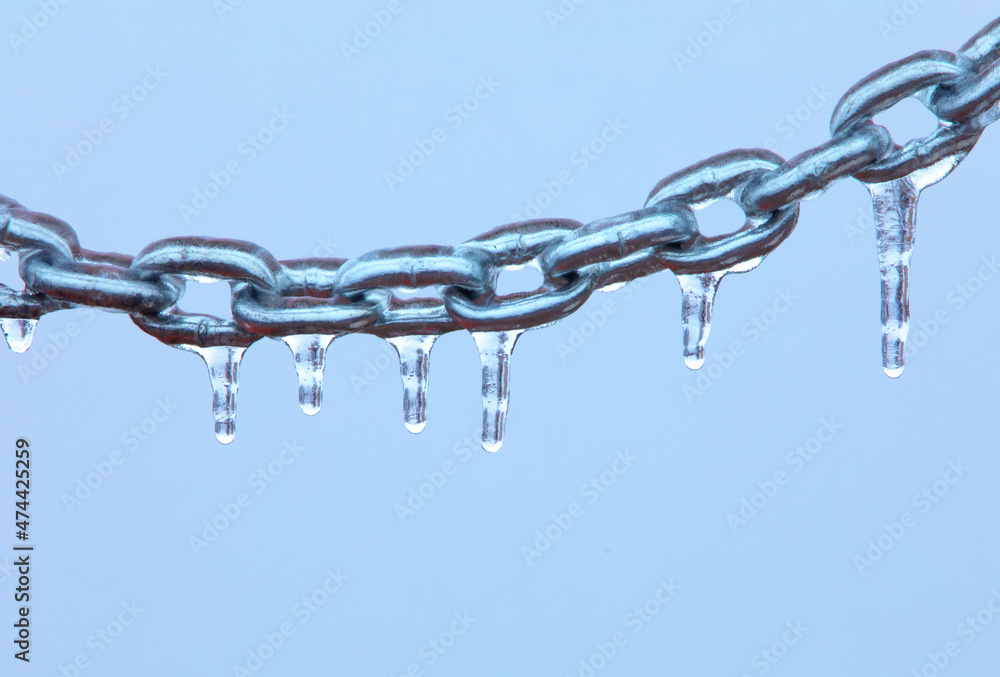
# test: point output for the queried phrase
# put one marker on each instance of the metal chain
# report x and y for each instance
(306, 303)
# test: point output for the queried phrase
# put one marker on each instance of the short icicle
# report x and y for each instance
(309, 352)
(697, 297)
(414, 360)
(223, 364)
(18, 333)
(495, 349)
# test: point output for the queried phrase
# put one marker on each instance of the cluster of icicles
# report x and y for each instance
(895, 215)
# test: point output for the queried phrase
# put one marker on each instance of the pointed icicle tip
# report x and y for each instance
(18, 333)
(495, 349)
(414, 362)
(223, 364)
(309, 353)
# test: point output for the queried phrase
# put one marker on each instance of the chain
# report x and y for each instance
(307, 303)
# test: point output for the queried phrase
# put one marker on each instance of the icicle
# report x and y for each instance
(895, 205)
(495, 349)
(4, 253)
(895, 208)
(223, 364)
(414, 360)
(697, 297)
(309, 352)
(18, 332)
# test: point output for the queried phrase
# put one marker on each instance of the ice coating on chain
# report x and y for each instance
(856, 149)
(223, 364)
(309, 353)
(495, 348)
(697, 296)
(414, 361)
(895, 210)
(18, 332)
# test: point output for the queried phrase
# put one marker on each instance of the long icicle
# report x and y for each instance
(495, 348)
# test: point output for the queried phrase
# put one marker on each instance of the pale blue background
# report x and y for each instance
(319, 188)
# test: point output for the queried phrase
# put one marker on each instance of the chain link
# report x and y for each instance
(332, 297)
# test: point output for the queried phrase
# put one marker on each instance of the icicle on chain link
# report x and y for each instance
(307, 303)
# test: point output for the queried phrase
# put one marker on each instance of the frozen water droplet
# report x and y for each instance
(18, 332)
(4, 253)
(309, 353)
(697, 297)
(414, 360)
(223, 364)
(495, 348)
